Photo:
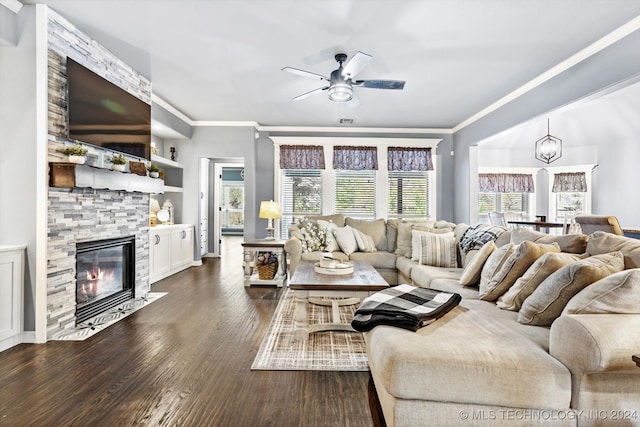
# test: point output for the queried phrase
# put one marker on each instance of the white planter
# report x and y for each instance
(154, 174)
(119, 168)
(78, 160)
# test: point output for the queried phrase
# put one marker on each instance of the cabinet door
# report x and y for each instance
(176, 248)
(186, 246)
(160, 254)
(10, 295)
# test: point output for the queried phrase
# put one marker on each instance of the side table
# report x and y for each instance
(251, 250)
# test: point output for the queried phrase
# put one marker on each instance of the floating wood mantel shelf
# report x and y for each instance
(69, 175)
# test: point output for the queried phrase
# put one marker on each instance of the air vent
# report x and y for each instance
(346, 121)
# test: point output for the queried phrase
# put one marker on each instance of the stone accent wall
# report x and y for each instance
(80, 215)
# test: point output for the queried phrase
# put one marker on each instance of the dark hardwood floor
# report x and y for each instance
(184, 360)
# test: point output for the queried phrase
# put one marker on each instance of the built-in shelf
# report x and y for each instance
(171, 189)
(164, 162)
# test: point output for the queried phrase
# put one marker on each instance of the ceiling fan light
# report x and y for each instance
(340, 92)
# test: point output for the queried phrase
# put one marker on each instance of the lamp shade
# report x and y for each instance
(269, 209)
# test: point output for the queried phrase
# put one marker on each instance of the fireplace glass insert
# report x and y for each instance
(105, 275)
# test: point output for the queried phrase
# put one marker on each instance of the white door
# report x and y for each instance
(204, 206)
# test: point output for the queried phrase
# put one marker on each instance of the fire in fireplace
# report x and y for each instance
(105, 275)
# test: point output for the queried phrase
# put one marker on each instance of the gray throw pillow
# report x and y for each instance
(547, 302)
(618, 293)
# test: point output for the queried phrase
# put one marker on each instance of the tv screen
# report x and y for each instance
(102, 114)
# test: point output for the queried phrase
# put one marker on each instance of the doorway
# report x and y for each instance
(227, 216)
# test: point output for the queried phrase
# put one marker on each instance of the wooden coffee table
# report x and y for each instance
(312, 287)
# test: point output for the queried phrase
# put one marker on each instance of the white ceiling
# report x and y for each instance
(221, 60)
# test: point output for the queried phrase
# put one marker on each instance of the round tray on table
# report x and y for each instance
(340, 269)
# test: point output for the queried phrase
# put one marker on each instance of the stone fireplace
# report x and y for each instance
(81, 219)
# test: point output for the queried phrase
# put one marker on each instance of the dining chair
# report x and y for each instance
(570, 225)
(497, 218)
(590, 223)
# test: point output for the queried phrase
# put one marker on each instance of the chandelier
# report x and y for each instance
(548, 148)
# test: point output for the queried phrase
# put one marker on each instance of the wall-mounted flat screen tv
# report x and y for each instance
(102, 114)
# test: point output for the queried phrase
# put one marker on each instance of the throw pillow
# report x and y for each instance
(416, 246)
(516, 265)
(601, 242)
(471, 273)
(618, 293)
(494, 262)
(531, 279)
(377, 229)
(477, 235)
(314, 239)
(330, 241)
(547, 302)
(392, 233)
(346, 239)
(438, 250)
(572, 243)
(364, 241)
(403, 243)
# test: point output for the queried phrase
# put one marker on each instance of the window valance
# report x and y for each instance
(301, 157)
(355, 158)
(569, 182)
(506, 183)
(409, 159)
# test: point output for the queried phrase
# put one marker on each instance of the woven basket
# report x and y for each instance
(267, 272)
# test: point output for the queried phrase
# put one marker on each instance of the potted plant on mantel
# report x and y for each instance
(76, 153)
(118, 162)
(154, 170)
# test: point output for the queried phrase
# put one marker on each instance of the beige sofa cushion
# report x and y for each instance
(471, 274)
(473, 354)
(494, 263)
(572, 243)
(601, 242)
(531, 279)
(617, 293)
(403, 244)
(337, 219)
(546, 303)
(423, 275)
(378, 260)
(392, 234)
(376, 229)
(524, 255)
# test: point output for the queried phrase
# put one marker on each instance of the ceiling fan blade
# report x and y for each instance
(311, 92)
(380, 84)
(356, 64)
(303, 73)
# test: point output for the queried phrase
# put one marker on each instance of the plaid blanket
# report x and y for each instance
(477, 235)
(404, 306)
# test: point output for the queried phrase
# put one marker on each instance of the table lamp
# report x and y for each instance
(270, 210)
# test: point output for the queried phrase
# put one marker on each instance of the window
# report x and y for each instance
(356, 193)
(300, 195)
(569, 203)
(408, 195)
(502, 202)
(232, 204)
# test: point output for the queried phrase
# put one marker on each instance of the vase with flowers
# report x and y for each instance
(266, 264)
(118, 162)
(76, 153)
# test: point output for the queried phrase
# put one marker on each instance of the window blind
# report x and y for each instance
(408, 194)
(300, 195)
(356, 193)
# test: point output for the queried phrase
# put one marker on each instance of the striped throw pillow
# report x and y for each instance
(438, 250)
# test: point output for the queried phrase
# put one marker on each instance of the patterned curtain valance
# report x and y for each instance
(569, 182)
(301, 157)
(506, 183)
(409, 159)
(355, 158)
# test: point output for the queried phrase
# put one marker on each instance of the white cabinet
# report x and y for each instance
(11, 297)
(181, 247)
(171, 250)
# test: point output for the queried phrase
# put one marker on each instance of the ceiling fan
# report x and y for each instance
(342, 81)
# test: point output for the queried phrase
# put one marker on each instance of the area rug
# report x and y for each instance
(92, 326)
(323, 351)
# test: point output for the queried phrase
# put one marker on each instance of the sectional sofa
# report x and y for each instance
(543, 336)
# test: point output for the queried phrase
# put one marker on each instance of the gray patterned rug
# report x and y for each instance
(92, 326)
(324, 351)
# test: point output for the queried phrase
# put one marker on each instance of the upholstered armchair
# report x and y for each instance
(591, 223)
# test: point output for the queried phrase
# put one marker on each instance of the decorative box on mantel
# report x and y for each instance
(68, 175)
